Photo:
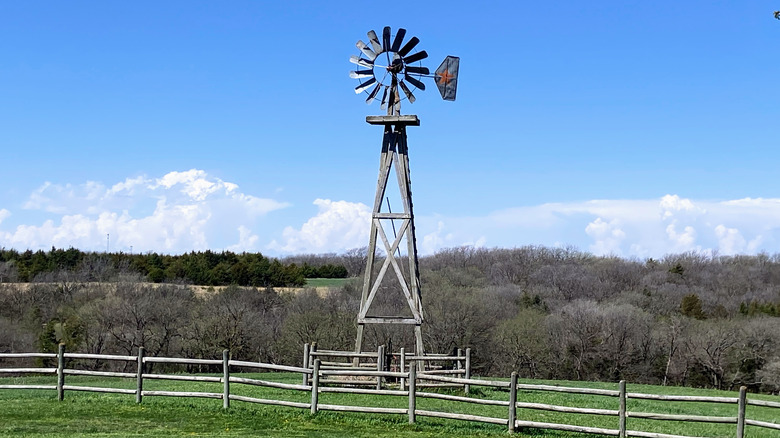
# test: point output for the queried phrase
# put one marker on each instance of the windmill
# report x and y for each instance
(389, 65)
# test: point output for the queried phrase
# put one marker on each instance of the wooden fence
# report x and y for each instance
(317, 375)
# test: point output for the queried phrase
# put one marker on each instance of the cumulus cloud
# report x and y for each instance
(337, 226)
(178, 212)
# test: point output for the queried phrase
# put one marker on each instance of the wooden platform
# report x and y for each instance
(408, 120)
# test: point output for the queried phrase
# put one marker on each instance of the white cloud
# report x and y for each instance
(337, 226)
(178, 212)
(4, 214)
(608, 236)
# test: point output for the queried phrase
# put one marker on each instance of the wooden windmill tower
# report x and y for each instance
(389, 66)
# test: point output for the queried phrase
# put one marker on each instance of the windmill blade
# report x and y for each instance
(364, 86)
(361, 61)
(418, 70)
(408, 47)
(358, 74)
(373, 93)
(407, 92)
(399, 38)
(384, 100)
(372, 38)
(416, 57)
(366, 51)
(415, 82)
(386, 39)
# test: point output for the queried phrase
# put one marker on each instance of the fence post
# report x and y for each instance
(512, 402)
(305, 363)
(459, 363)
(139, 378)
(380, 357)
(61, 372)
(622, 410)
(402, 363)
(226, 379)
(467, 387)
(741, 414)
(412, 392)
(315, 386)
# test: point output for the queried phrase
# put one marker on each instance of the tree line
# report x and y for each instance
(207, 268)
(552, 313)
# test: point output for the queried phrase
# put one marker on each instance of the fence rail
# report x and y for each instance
(314, 376)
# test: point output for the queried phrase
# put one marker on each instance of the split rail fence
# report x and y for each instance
(316, 376)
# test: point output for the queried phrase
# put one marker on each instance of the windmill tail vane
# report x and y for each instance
(389, 64)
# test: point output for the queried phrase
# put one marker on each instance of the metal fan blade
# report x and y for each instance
(361, 61)
(407, 92)
(409, 46)
(373, 93)
(364, 86)
(384, 100)
(416, 57)
(366, 51)
(399, 38)
(386, 39)
(418, 70)
(372, 38)
(358, 74)
(415, 82)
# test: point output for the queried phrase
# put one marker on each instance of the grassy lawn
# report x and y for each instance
(36, 413)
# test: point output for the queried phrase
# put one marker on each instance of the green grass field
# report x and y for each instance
(327, 282)
(37, 413)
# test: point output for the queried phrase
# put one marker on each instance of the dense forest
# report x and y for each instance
(206, 268)
(556, 313)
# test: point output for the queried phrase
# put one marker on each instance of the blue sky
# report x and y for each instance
(619, 127)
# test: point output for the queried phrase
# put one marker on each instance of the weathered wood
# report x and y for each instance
(23, 355)
(765, 403)
(139, 378)
(741, 412)
(182, 394)
(567, 409)
(388, 320)
(571, 390)
(28, 387)
(494, 383)
(341, 354)
(674, 417)
(338, 389)
(466, 417)
(433, 358)
(99, 373)
(99, 356)
(270, 402)
(269, 384)
(466, 386)
(402, 366)
(622, 409)
(445, 372)
(460, 398)
(512, 401)
(412, 393)
(363, 409)
(686, 398)
(182, 360)
(654, 435)
(98, 389)
(60, 373)
(184, 377)
(268, 366)
(315, 384)
(29, 370)
(410, 119)
(766, 424)
(380, 353)
(306, 357)
(567, 427)
(361, 373)
(225, 379)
